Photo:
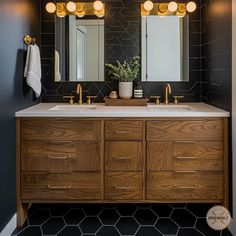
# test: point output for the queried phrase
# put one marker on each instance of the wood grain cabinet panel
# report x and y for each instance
(123, 130)
(123, 156)
(124, 186)
(60, 129)
(169, 185)
(61, 186)
(185, 130)
(185, 155)
(61, 155)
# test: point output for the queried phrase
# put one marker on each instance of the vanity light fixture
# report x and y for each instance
(167, 9)
(148, 5)
(191, 6)
(79, 9)
(71, 6)
(172, 6)
(51, 7)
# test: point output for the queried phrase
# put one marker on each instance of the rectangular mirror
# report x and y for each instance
(165, 48)
(79, 49)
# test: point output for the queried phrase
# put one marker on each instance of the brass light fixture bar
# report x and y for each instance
(80, 9)
(167, 9)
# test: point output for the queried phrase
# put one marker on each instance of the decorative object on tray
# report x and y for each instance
(138, 91)
(113, 95)
(126, 102)
(125, 73)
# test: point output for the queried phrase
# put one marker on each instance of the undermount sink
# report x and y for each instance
(73, 108)
(171, 107)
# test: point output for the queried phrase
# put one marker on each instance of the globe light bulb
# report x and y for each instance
(172, 6)
(191, 6)
(148, 5)
(97, 5)
(71, 6)
(51, 7)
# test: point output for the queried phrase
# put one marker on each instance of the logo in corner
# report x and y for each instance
(218, 218)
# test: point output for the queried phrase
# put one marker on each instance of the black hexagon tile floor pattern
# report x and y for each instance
(118, 220)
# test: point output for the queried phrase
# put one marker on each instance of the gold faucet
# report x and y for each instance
(167, 93)
(80, 92)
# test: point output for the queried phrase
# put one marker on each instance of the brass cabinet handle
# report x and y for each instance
(185, 171)
(184, 187)
(122, 132)
(59, 187)
(60, 157)
(123, 158)
(122, 188)
(183, 141)
(59, 142)
(186, 158)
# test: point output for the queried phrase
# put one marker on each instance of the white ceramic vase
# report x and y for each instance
(125, 90)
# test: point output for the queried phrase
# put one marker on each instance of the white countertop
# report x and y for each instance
(197, 110)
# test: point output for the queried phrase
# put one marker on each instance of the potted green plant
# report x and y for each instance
(125, 73)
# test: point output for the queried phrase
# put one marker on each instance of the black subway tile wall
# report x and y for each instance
(122, 40)
(216, 52)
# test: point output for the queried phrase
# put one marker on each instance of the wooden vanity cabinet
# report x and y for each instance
(121, 160)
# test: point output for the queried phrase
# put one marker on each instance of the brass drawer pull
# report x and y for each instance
(59, 187)
(60, 157)
(186, 158)
(122, 188)
(122, 132)
(185, 141)
(62, 121)
(123, 158)
(59, 142)
(185, 171)
(184, 187)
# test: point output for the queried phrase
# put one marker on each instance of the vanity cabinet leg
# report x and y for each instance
(22, 213)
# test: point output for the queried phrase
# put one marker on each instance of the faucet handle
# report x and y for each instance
(71, 99)
(157, 99)
(89, 99)
(176, 99)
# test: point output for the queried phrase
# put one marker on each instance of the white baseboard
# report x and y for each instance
(10, 227)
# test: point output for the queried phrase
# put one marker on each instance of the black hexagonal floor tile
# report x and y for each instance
(178, 205)
(32, 230)
(74, 216)
(70, 231)
(109, 216)
(108, 231)
(92, 209)
(183, 218)
(203, 227)
(199, 210)
(127, 225)
(39, 217)
(53, 225)
(147, 231)
(145, 217)
(166, 226)
(90, 225)
(189, 232)
(226, 232)
(59, 209)
(126, 209)
(162, 210)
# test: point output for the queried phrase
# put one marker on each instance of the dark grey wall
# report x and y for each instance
(216, 52)
(122, 40)
(17, 17)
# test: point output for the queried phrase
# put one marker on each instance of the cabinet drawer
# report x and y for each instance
(185, 155)
(123, 130)
(185, 130)
(60, 186)
(60, 129)
(123, 156)
(61, 155)
(123, 186)
(167, 185)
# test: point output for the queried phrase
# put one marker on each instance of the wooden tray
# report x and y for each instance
(126, 102)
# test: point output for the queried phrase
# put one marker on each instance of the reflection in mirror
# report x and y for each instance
(165, 48)
(79, 50)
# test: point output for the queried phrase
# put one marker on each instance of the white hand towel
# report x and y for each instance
(57, 67)
(33, 69)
